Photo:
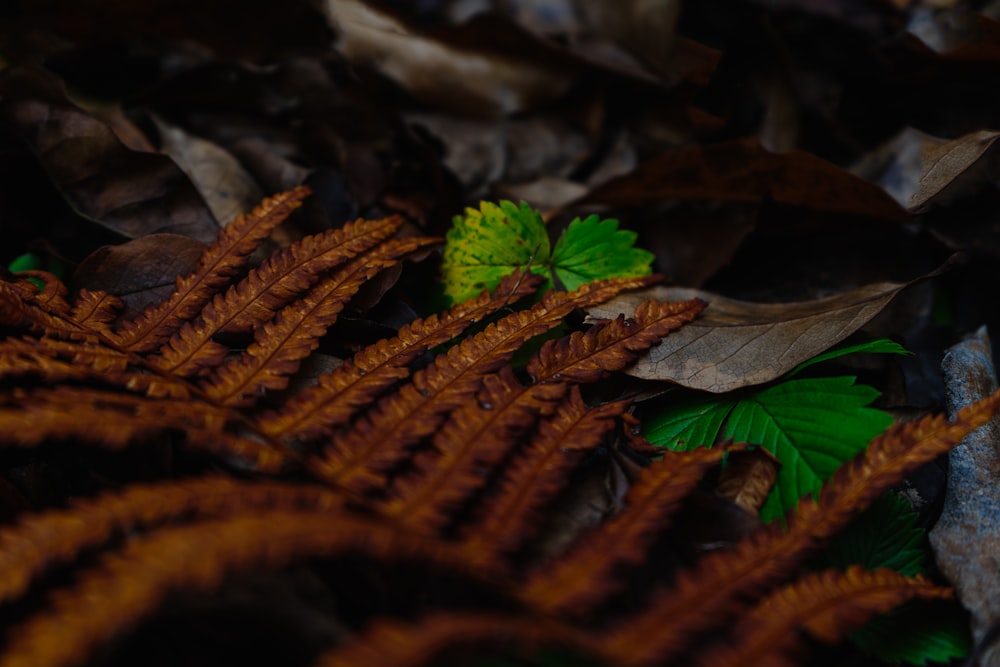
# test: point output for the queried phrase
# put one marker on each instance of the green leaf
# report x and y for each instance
(812, 426)
(884, 535)
(918, 633)
(593, 249)
(29, 261)
(485, 245)
(922, 631)
(879, 346)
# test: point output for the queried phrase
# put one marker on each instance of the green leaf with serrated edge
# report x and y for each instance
(879, 346)
(919, 632)
(884, 535)
(486, 244)
(689, 424)
(812, 426)
(592, 249)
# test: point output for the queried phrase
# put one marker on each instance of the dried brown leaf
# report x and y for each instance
(950, 169)
(737, 343)
(748, 477)
(132, 192)
(744, 171)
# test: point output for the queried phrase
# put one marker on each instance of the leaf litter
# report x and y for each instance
(744, 144)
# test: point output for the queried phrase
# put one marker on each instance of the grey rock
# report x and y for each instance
(966, 538)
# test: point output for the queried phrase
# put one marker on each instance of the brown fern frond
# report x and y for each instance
(826, 605)
(399, 644)
(709, 593)
(378, 440)
(584, 576)
(54, 360)
(52, 294)
(585, 356)
(41, 541)
(535, 474)
(334, 399)
(216, 267)
(271, 286)
(477, 436)
(95, 310)
(113, 419)
(126, 586)
(280, 345)
(22, 305)
(441, 479)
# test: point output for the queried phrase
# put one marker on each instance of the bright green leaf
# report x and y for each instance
(592, 249)
(485, 245)
(812, 426)
(879, 346)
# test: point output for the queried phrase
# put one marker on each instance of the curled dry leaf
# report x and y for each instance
(748, 478)
(950, 169)
(226, 186)
(131, 192)
(738, 343)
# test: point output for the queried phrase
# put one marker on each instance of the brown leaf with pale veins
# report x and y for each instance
(950, 169)
(738, 343)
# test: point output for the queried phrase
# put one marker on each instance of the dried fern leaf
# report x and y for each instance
(827, 605)
(280, 345)
(712, 590)
(477, 437)
(584, 576)
(255, 299)
(218, 264)
(95, 310)
(126, 586)
(335, 398)
(113, 419)
(41, 541)
(584, 356)
(399, 644)
(21, 305)
(55, 360)
(378, 440)
(536, 474)
(52, 294)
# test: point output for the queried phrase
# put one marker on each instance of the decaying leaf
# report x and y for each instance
(744, 171)
(496, 76)
(954, 168)
(225, 185)
(749, 477)
(94, 170)
(738, 344)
